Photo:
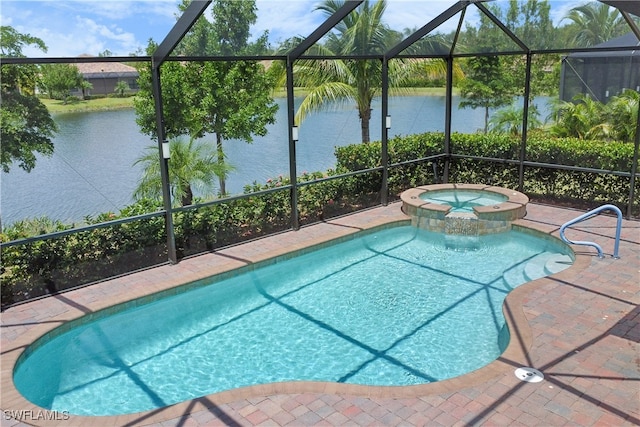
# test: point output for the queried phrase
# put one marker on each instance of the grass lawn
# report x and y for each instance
(101, 104)
(56, 106)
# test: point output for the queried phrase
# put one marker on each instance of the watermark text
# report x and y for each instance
(34, 415)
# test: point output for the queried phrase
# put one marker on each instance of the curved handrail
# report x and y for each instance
(589, 215)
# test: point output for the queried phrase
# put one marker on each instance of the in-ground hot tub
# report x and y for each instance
(464, 209)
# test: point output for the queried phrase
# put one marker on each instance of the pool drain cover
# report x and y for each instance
(529, 375)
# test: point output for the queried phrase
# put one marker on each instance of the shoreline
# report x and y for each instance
(55, 106)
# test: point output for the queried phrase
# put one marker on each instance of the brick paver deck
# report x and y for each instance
(581, 328)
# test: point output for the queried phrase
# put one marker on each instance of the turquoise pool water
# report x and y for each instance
(463, 200)
(397, 306)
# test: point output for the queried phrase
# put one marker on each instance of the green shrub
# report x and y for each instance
(45, 266)
(583, 189)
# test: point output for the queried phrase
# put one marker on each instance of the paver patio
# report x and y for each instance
(580, 327)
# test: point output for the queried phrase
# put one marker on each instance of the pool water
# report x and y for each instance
(463, 200)
(397, 306)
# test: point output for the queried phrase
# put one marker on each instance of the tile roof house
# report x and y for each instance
(105, 75)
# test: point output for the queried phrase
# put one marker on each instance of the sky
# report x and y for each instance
(123, 27)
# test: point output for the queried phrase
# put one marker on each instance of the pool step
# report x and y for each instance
(541, 265)
(515, 276)
(545, 264)
(558, 263)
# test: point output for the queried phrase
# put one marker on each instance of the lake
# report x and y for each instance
(92, 170)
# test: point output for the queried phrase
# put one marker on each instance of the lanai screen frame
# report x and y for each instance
(196, 9)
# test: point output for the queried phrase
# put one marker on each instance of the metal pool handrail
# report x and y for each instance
(589, 215)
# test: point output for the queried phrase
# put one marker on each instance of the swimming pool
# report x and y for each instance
(370, 311)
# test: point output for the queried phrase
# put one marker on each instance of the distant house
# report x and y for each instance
(603, 74)
(105, 75)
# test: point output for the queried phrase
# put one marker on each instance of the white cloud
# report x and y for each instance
(83, 35)
(95, 34)
(286, 19)
(71, 28)
(57, 43)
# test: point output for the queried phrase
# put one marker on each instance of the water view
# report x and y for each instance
(92, 170)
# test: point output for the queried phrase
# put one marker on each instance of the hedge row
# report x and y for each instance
(47, 266)
(548, 183)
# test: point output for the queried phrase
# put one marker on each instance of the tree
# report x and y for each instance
(589, 119)
(431, 70)
(25, 123)
(21, 77)
(122, 88)
(492, 82)
(595, 23)
(582, 119)
(485, 86)
(362, 32)
(193, 166)
(59, 79)
(622, 111)
(229, 99)
(509, 120)
(531, 21)
(85, 86)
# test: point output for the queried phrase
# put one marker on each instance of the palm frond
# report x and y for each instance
(317, 98)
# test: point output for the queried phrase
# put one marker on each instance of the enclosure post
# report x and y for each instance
(164, 164)
(447, 119)
(384, 190)
(563, 73)
(525, 123)
(634, 167)
(293, 173)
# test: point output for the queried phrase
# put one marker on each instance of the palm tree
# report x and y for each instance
(595, 23)
(362, 32)
(583, 119)
(623, 114)
(122, 88)
(509, 120)
(192, 165)
(85, 86)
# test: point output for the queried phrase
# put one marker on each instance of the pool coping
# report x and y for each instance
(231, 258)
(512, 209)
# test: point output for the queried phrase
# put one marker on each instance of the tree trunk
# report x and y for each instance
(221, 179)
(486, 120)
(187, 198)
(365, 119)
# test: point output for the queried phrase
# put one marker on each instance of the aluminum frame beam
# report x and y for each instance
(177, 32)
(324, 28)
